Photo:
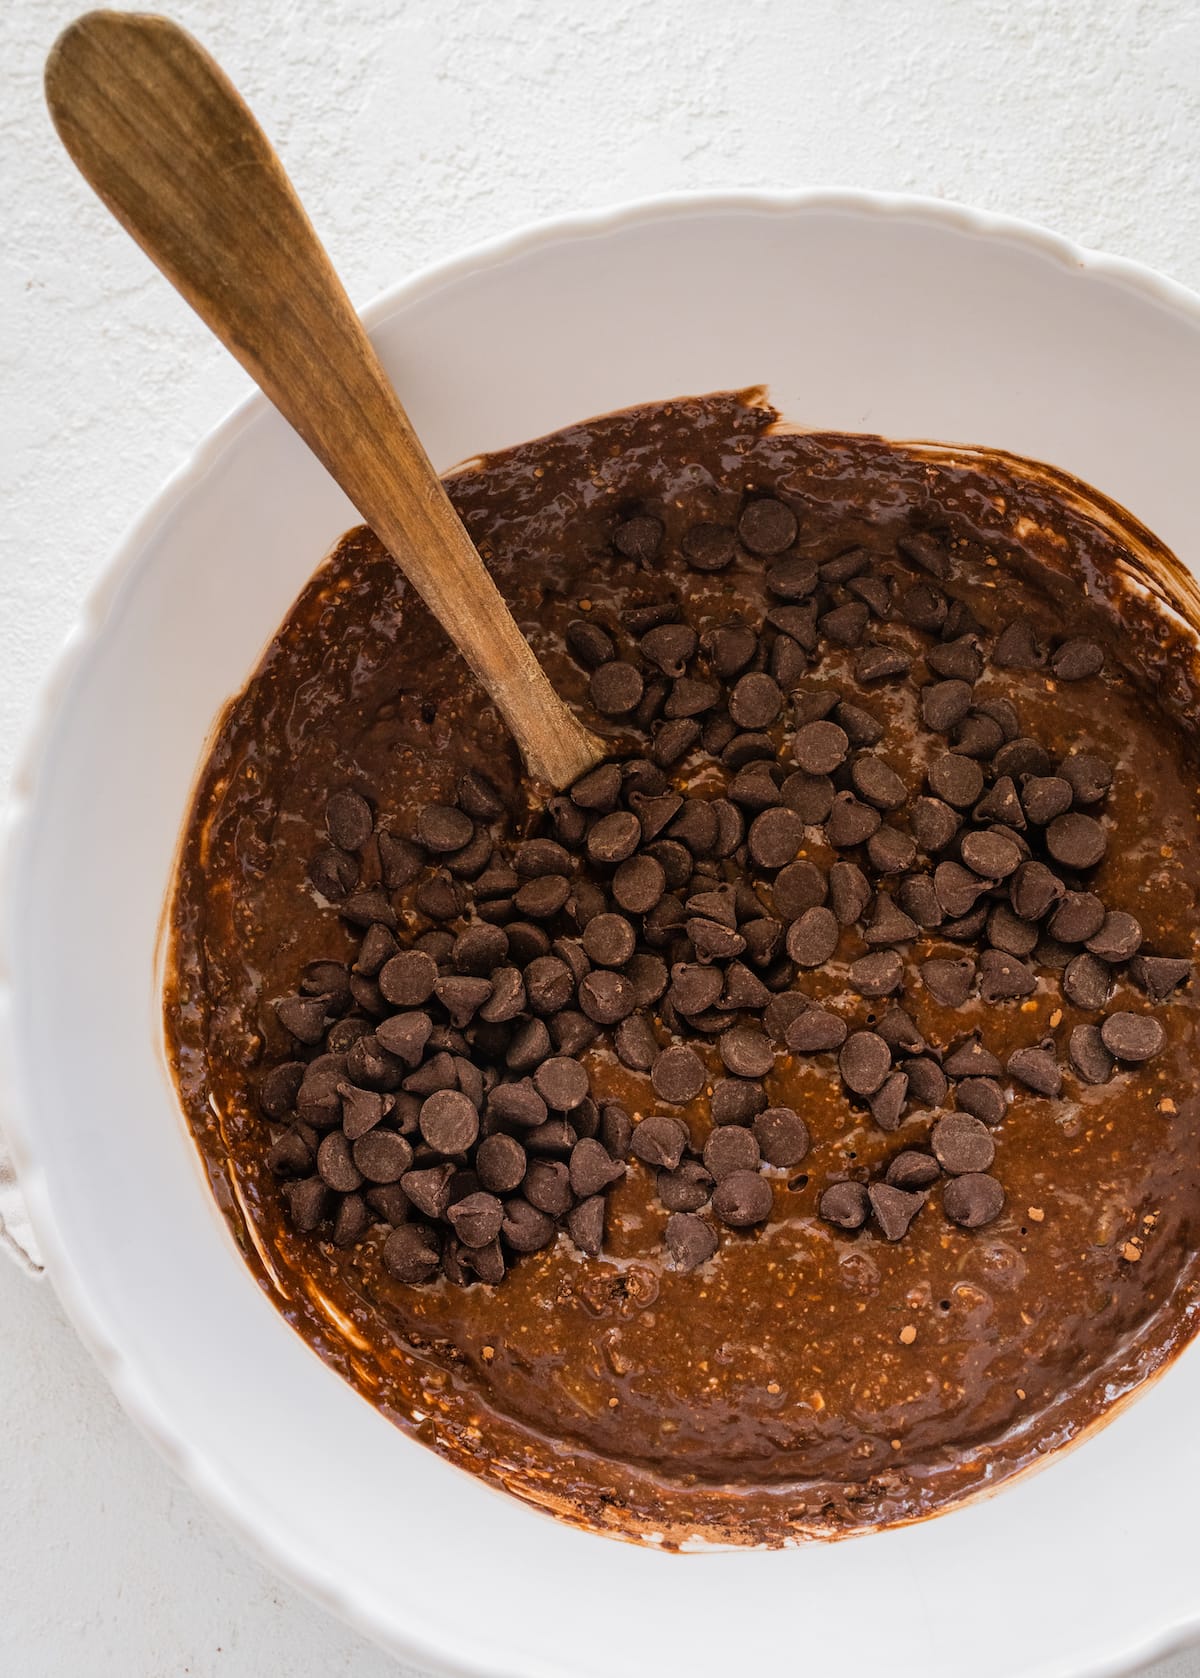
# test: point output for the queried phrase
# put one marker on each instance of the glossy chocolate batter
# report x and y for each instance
(806, 1381)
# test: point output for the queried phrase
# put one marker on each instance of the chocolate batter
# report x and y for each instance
(808, 1379)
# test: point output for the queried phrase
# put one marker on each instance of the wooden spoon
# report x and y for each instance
(167, 142)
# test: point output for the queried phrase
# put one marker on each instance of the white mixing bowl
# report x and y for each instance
(905, 317)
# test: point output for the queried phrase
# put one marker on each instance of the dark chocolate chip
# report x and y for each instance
(1037, 1069)
(959, 660)
(810, 796)
(815, 1031)
(526, 1228)
(949, 980)
(1076, 840)
(1158, 976)
(1076, 659)
(850, 822)
(678, 1074)
(745, 1052)
(1088, 776)
(549, 984)
(1118, 937)
(962, 1143)
(1003, 976)
(1087, 982)
(1009, 932)
(864, 1062)
(1044, 797)
(607, 997)
(736, 1101)
(443, 828)
(813, 937)
(912, 1170)
(561, 1082)
(782, 1137)
(859, 726)
(410, 1254)
(742, 1199)
(348, 820)
(894, 1209)
(1131, 1037)
(819, 747)
(878, 663)
(449, 1122)
(767, 526)
(1034, 890)
(887, 1104)
(877, 782)
(774, 837)
(1088, 1054)
(615, 688)
(891, 851)
(429, 1189)
(945, 704)
(888, 924)
(730, 1148)
(846, 1205)
(956, 780)
(923, 606)
(981, 1097)
(879, 974)
(1017, 648)
(592, 1168)
(973, 1200)
(500, 1162)
(756, 701)
(933, 822)
(689, 1240)
(547, 1186)
(305, 1017)
(845, 625)
(708, 547)
(849, 892)
(659, 1141)
(971, 1060)
(927, 1083)
(476, 1218)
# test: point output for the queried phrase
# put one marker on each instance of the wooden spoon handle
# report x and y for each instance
(167, 142)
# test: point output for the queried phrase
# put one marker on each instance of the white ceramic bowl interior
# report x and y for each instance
(905, 317)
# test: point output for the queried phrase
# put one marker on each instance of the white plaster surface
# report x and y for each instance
(413, 128)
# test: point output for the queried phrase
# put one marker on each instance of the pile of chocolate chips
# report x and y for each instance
(437, 1087)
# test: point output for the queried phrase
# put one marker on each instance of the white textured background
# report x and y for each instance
(413, 128)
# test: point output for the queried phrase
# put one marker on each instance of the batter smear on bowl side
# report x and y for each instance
(792, 1128)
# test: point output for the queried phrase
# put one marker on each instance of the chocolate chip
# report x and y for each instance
(659, 1141)
(891, 851)
(730, 1149)
(849, 893)
(933, 822)
(792, 578)
(1003, 977)
(864, 1062)
(846, 1205)
(819, 747)
(888, 924)
(697, 827)
(1132, 1037)
(923, 606)
(981, 1097)
(615, 688)
(926, 1081)
(990, 854)
(561, 1082)
(305, 1017)
(887, 1104)
(609, 940)
(960, 659)
(635, 1043)
(614, 837)
(1009, 932)
(443, 828)
(348, 820)
(912, 1170)
(894, 1209)
(813, 937)
(335, 1163)
(745, 1052)
(547, 1187)
(607, 997)
(708, 547)
(742, 1199)
(730, 648)
(782, 1137)
(449, 1122)
(1001, 804)
(1087, 982)
(476, 1219)
(978, 735)
(1017, 648)
(845, 625)
(691, 697)
(1158, 976)
(526, 1228)
(429, 1189)
(859, 726)
(949, 980)
(1044, 797)
(850, 822)
(590, 644)
(674, 740)
(767, 526)
(685, 1189)
(957, 888)
(945, 704)
(879, 663)
(799, 886)
(500, 1162)
(756, 701)
(815, 1031)
(1034, 890)
(956, 780)
(736, 1101)
(774, 837)
(973, 1200)
(1117, 938)
(1076, 659)
(410, 1254)
(1076, 840)
(879, 974)
(278, 1088)
(971, 1060)
(1088, 1054)
(877, 782)
(549, 984)
(1037, 1069)
(592, 1168)
(1088, 776)
(689, 1241)
(678, 1074)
